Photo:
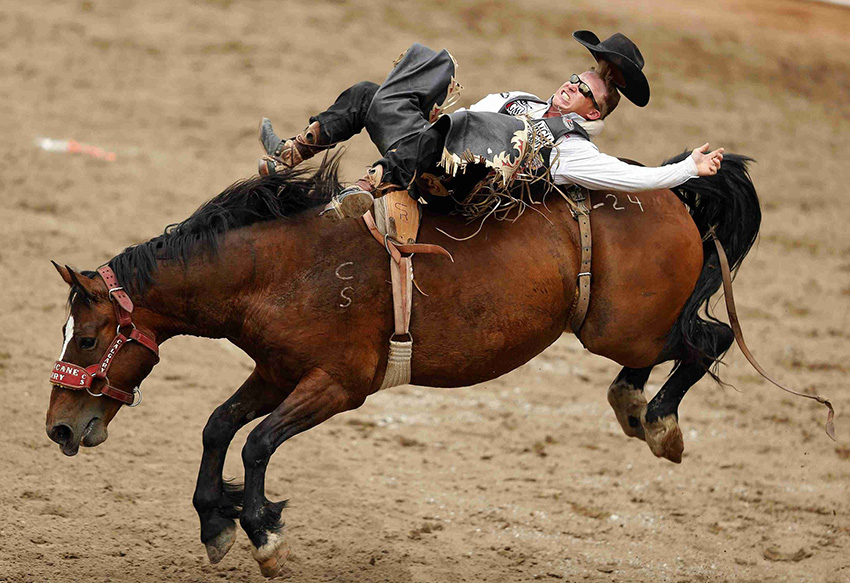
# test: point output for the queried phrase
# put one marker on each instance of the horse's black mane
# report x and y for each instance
(257, 199)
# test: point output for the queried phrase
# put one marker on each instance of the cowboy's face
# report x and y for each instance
(568, 98)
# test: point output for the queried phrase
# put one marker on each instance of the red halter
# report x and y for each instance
(71, 376)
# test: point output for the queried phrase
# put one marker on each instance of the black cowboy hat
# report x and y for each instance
(625, 56)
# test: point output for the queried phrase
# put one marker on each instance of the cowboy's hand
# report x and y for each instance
(707, 163)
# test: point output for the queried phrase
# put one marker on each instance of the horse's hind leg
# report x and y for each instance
(625, 395)
(219, 504)
(660, 419)
(316, 398)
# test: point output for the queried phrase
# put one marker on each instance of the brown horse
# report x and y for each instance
(309, 302)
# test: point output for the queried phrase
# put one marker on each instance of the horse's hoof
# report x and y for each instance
(272, 555)
(664, 437)
(218, 547)
(628, 403)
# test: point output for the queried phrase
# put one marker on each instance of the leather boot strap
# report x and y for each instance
(395, 249)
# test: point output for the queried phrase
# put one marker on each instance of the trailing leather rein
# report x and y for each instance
(76, 378)
(739, 337)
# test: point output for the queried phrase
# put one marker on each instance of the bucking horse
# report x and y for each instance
(309, 302)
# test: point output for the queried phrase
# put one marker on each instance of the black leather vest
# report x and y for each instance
(551, 128)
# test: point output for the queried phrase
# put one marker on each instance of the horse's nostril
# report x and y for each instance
(61, 434)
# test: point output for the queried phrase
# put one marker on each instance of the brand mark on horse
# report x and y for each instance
(339, 275)
(346, 299)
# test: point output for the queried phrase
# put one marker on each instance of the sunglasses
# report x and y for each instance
(584, 89)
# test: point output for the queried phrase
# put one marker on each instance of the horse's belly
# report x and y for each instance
(500, 304)
(468, 355)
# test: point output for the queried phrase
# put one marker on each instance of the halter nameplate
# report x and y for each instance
(70, 376)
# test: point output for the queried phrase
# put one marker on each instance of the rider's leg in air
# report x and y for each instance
(397, 115)
(341, 121)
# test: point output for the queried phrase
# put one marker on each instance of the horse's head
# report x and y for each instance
(91, 363)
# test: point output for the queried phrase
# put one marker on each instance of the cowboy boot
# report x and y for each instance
(287, 154)
(357, 199)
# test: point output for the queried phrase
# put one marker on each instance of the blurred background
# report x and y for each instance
(523, 478)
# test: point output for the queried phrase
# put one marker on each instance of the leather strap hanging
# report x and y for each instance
(395, 249)
(739, 338)
(398, 214)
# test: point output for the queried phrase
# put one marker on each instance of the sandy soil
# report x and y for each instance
(526, 477)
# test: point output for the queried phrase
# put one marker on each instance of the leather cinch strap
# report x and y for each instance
(581, 300)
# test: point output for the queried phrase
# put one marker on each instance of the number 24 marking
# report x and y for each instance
(634, 200)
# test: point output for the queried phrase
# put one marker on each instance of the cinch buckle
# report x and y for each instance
(578, 194)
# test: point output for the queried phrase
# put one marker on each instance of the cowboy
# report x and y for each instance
(403, 119)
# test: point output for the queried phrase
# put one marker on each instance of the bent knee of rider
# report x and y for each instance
(364, 88)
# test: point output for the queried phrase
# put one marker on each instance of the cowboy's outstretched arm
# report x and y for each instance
(580, 162)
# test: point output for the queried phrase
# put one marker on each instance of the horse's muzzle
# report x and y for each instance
(69, 440)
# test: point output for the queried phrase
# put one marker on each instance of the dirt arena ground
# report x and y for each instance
(527, 477)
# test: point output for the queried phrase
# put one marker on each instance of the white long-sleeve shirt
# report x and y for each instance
(575, 160)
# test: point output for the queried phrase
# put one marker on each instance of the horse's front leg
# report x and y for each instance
(316, 398)
(219, 504)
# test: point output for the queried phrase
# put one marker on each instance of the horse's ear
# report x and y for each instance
(65, 272)
(87, 286)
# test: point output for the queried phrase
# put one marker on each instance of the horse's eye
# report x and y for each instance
(87, 343)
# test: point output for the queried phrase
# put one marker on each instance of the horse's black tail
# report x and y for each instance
(726, 204)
